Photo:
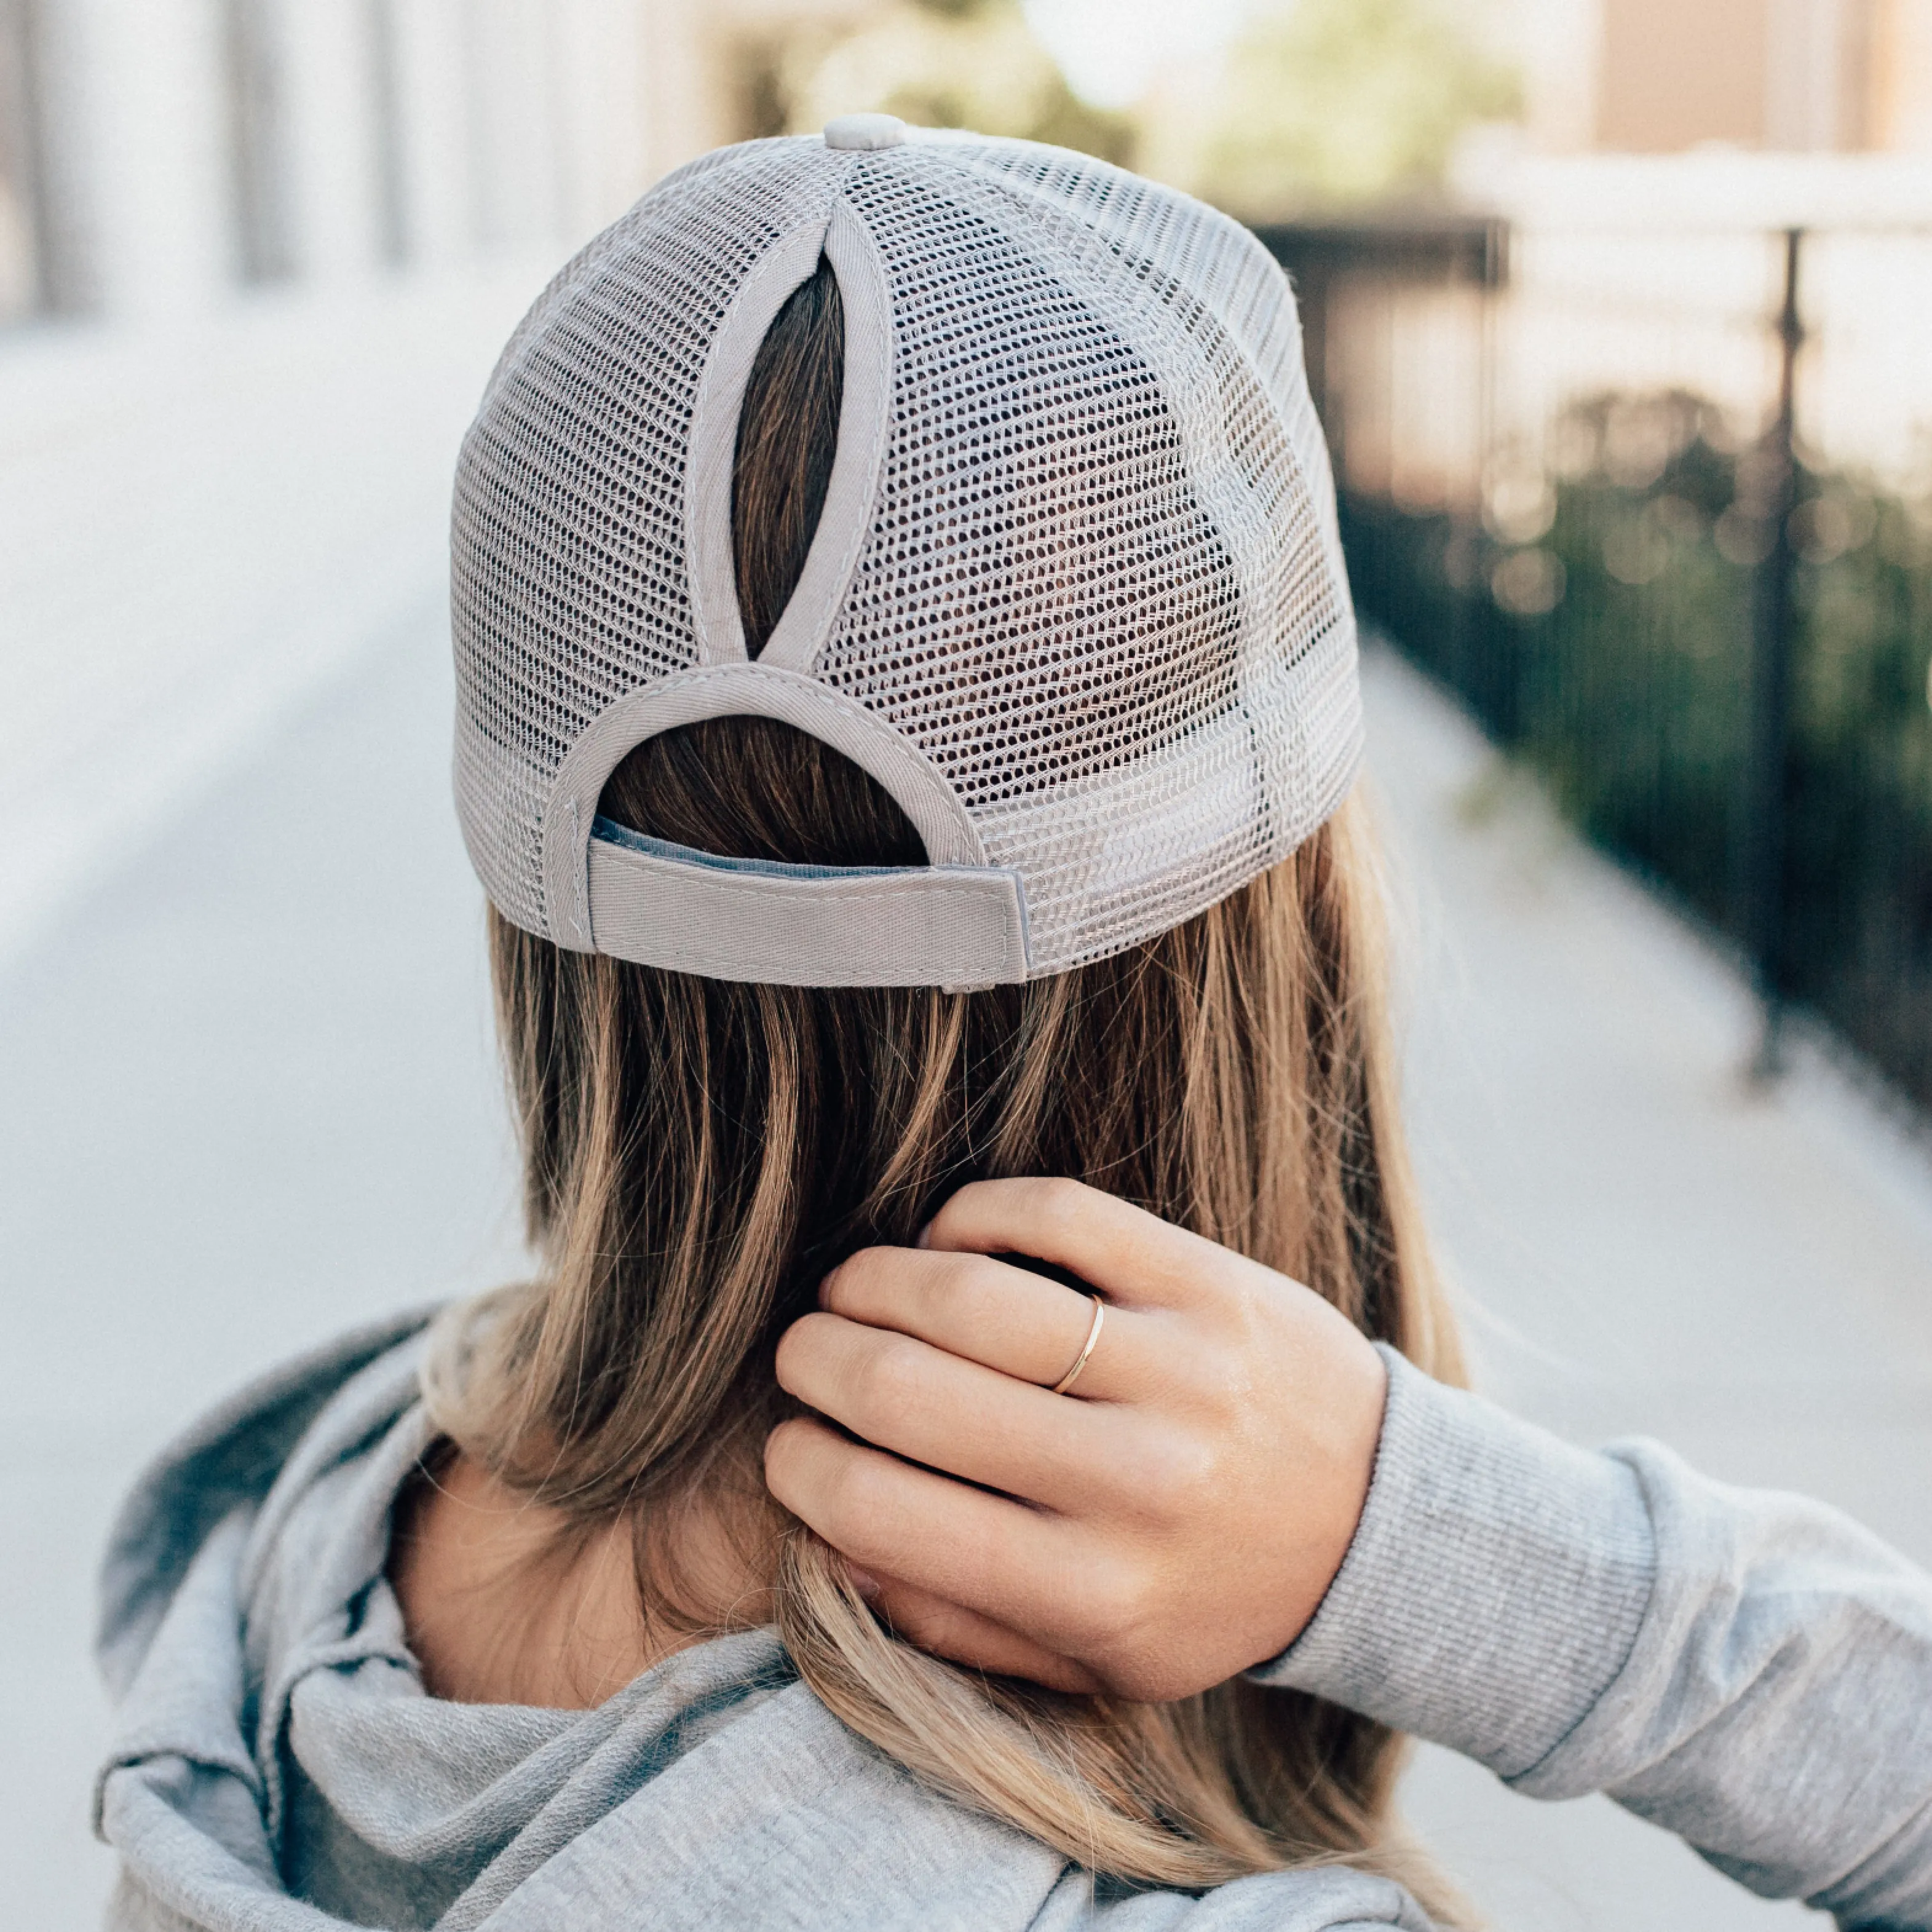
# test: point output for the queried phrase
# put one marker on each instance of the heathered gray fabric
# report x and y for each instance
(1751, 1671)
(276, 1766)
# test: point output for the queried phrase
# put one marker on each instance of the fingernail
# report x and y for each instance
(923, 1239)
(868, 1585)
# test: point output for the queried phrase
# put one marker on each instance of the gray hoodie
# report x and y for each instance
(1752, 1671)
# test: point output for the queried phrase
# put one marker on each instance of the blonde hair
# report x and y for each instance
(698, 1153)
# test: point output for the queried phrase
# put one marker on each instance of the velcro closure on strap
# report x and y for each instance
(662, 904)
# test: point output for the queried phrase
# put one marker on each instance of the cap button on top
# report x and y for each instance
(865, 132)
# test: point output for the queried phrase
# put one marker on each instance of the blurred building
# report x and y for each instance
(156, 154)
(256, 258)
(1667, 144)
(1808, 76)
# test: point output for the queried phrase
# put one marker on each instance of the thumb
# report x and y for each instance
(960, 1636)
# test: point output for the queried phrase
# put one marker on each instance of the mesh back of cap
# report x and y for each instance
(1084, 571)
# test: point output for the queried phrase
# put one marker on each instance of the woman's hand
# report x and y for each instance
(1172, 1520)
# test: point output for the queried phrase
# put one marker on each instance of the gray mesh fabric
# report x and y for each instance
(1076, 599)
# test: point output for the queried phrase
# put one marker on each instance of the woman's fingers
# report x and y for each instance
(966, 1637)
(928, 1405)
(1131, 1256)
(1189, 1521)
(1009, 1564)
(986, 1311)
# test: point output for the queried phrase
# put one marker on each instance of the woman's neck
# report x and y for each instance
(505, 1601)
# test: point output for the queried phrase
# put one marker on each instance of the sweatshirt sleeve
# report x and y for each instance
(1749, 1670)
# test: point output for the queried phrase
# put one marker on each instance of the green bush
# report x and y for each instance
(1600, 627)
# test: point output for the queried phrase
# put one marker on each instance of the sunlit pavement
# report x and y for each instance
(249, 1098)
(1644, 1244)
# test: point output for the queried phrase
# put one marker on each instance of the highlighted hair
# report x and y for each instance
(699, 1153)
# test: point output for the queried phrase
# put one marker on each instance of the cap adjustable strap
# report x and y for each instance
(662, 905)
(720, 691)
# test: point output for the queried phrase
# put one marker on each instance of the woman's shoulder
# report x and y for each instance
(1331, 1898)
(777, 1815)
(729, 1793)
(232, 1456)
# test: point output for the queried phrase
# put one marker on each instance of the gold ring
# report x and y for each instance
(1073, 1374)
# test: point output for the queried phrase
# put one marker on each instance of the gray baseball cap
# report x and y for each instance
(1075, 600)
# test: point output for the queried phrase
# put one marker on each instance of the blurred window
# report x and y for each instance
(257, 140)
(24, 282)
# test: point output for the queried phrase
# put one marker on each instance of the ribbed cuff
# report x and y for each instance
(1494, 1587)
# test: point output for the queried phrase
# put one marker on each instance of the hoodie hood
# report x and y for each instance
(277, 1766)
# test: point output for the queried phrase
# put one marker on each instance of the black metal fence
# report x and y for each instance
(1673, 547)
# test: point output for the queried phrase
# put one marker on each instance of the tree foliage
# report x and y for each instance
(1322, 104)
(936, 64)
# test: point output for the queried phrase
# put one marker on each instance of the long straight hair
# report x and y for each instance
(698, 1154)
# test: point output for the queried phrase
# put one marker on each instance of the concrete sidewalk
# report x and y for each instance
(1643, 1244)
(249, 1098)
